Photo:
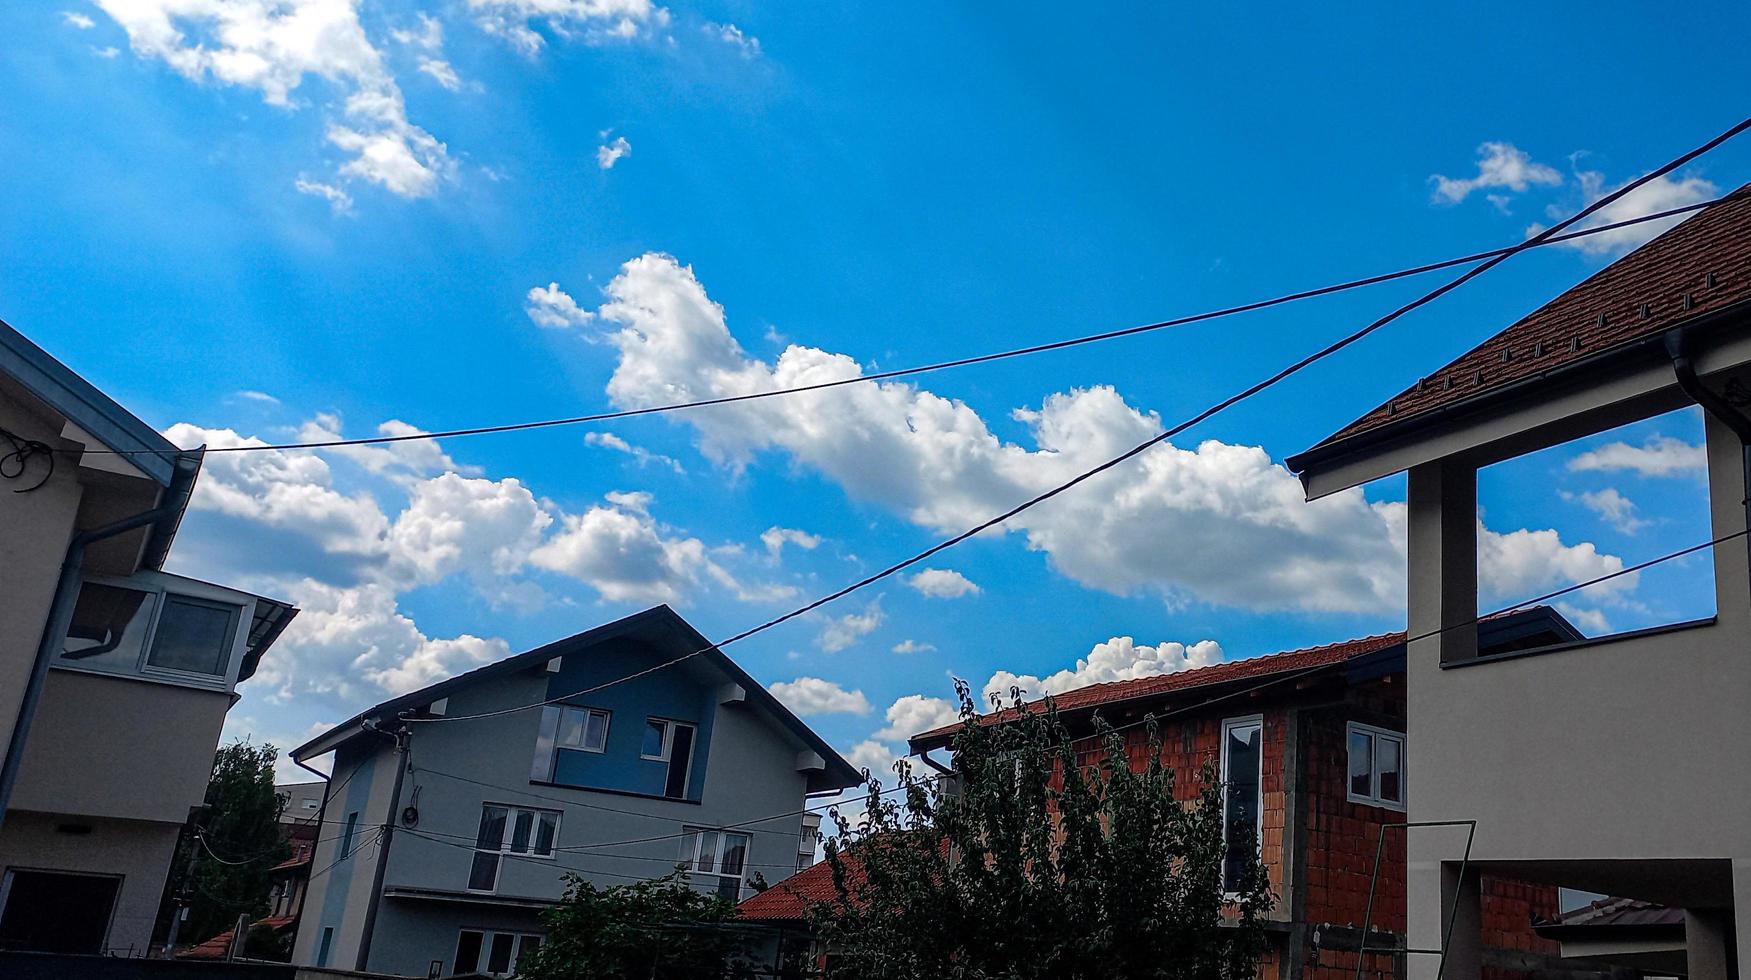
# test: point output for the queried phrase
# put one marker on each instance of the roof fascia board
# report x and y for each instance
(1550, 410)
(87, 407)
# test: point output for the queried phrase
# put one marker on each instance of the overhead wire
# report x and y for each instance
(1296, 367)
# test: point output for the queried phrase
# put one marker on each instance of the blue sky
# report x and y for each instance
(249, 220)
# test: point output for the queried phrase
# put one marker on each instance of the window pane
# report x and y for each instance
(1391, 769)
(492, 827)
(467, 952)
(525, 946)
(707, 851)
(571, 727)
(735, 852)
(596, 734)
(109, 624)
(499, 959)
(653, 739)
(520, 831)
(680, 753)
(689, 848)
(484, 875)
(545, 833)
(192, 636)
(541, 767)
(1241, 758)
(1361, 764)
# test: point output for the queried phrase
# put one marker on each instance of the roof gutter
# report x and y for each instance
(60, 619)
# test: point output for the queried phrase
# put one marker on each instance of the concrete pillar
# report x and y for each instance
(1437, 891)
(1442, 560)
(1705, 945)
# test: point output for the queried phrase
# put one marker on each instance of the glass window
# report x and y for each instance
(499, 958)
(735, 853)
(521, 829)
(109, 626)
(1376, 766)
(1242, 759)
(468, 952)
(346, 837)
(718, 852)
(491, 953)
(546, 832)
(192, 635)
(509, 830)
(670, 742)
(656, 740)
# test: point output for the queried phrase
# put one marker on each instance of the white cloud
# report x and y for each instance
(1612, 507)
(1150, 526)
(1498, 165)
(453, 523)
(107, 52)
(1118, 659)
(1658, 456)
(401, 462)
(273, 47)
(338, 199)
(597, 21)
(876, 757)
(429, 36)
(551, 306)
(1515, 566)
(443, 72)
(915, 713)
(608, 154)
(74, 18)
(913, 646)
(257, 396)
(1659, 194)
(622, 552)
(644, 457)
(775, 538)
(814, 696)
(843, 631)
(943, 583)
(1592, 622)
(730, 34)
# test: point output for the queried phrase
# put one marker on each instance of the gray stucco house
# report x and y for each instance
(453, 813)
(115, 676)
(1614, 764)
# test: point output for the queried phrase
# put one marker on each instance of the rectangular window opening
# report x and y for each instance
(1583, 509)
(1242, 795)
(1376, 766)
(509, 830)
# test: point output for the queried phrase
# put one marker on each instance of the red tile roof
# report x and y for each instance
(789, 900)
(216, 947)
(1233, 670)
(1699, 267)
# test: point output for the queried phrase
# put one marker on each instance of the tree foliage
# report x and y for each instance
(243, 840)
(1041, 865)
(647, 930)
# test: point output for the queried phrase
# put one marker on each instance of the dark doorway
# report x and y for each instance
(56, 911)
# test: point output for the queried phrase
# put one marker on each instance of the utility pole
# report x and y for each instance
(185, 891)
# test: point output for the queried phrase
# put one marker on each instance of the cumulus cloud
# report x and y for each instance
(943, 583)
(442, 72)
(843, 631)
(608, 154)
(1155, 525)
(402, 462)
(622, 552)
(75, 19)
(814, 696)
(913, 646)
(1612, 507)
(1517, 565)
(1118, 659)
(551, 306)
(429, 38)
(1658, 456)
(453, 523)
(1498, 165)
(916, 713)
(644, 457)
(747, 44)
(775, 538)
(1659, 194)
(273, 48)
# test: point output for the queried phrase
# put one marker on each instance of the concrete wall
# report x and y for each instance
(340, 888)
(149, 759)
(139, 851)
(38, 525)
(747, 771)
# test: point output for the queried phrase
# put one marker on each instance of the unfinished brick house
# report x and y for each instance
(1310, 746)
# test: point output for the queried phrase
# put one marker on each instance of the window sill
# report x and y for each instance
(1587, 644)
(217, 685)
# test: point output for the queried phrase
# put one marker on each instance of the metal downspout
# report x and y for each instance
(1715, 405)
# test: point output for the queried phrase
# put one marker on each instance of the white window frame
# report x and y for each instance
(486, 937)
(583, 728)
(1258, 833)
(504, 849)
(1375, 734)
(160, 587)
(668, 750)
(697, 835)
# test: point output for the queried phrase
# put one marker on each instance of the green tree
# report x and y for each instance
(1042, 864)
(646, 930)
(238, 841)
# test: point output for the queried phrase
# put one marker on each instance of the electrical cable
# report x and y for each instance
(957, 362)
(1327, 351)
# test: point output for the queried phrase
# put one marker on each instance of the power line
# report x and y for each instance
(969, 361)
(1342, 343)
